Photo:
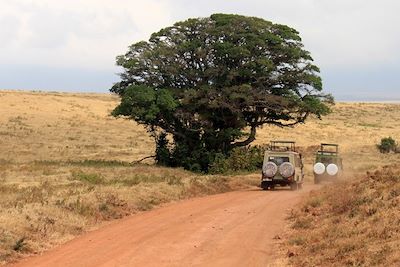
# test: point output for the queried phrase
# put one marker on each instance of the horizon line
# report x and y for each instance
(339, 98)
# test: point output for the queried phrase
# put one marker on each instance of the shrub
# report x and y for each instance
(388, 144)
(246, 159)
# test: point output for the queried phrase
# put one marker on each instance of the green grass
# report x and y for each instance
(370, 125)
(85, 163)
(91, 178)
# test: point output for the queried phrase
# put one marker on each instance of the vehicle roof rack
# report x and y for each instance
(326, 144)
(329, 152)
(283, 146)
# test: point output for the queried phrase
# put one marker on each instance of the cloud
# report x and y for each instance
(76, 33)
(8, 30)
(338, 33)
(343, 36)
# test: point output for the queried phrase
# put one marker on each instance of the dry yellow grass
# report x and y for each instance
(353, 223)
(60, 126)
(63, 166)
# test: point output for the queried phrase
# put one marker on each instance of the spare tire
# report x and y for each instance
(319, 168)
(270, 169)
(332, 169)
(286, 169)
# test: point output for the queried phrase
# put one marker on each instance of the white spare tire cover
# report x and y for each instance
(270, 169)
(319, 168)
(332, 169)
(286, 169)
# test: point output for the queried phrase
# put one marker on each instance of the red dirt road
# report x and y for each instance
(232, 229)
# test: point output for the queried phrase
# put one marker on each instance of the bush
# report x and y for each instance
(246, 159)
(388, 144)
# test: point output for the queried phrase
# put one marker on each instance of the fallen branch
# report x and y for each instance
(138, 161)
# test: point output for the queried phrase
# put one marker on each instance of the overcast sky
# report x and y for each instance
(71, 45)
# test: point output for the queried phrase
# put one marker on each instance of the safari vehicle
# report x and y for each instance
(282, 166)
(328, 163)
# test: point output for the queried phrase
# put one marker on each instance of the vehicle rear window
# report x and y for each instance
(328, 160)
(278, 160)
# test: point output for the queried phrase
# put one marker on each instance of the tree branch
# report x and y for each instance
(250, 139)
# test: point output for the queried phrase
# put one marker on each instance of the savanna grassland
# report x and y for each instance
(65, 163)
(65, 168)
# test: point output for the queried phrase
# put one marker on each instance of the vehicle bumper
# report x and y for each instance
(265, 183)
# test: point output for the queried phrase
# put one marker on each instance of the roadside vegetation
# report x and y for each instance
(351, 223)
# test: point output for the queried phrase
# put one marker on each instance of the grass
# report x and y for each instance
(66, 166)
(91, 178)
(352, 223)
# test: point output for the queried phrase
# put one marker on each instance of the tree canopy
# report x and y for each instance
(210, 83)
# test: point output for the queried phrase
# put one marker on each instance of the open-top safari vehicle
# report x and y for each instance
(282, 166)
(328, 163)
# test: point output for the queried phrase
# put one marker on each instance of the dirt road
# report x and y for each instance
(232, 229)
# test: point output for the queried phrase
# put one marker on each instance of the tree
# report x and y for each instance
(210, 83)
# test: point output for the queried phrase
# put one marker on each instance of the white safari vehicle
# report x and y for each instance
(282, 166)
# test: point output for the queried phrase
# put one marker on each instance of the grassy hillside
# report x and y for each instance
(64, 163)
(353, 223)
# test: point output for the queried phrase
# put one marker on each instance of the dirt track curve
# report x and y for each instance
(232, 229)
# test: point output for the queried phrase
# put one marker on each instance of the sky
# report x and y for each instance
(71, 45)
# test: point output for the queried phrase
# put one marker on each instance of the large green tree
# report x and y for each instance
(209, 83)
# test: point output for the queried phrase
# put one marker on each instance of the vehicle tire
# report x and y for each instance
(264, 185)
